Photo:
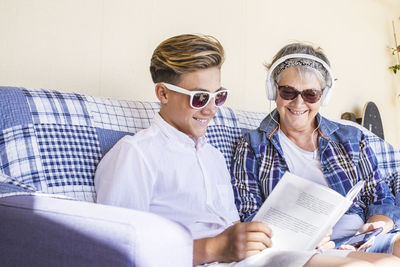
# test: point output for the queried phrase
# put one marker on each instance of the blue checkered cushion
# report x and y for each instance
(51, 141)
(227, 127)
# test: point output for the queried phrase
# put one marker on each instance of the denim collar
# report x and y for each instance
(270, 126)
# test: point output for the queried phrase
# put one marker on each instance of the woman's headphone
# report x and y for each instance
(270, 85)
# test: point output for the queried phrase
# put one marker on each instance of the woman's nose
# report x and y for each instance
(299, 99)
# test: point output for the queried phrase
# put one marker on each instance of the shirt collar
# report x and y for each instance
(176, 135)
(270, 125)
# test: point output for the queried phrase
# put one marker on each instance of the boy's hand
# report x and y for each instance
(237, 242)
(248, 238)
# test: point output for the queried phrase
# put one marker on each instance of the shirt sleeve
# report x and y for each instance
(244, 173)
(376, 192)
(388, 158)
(123, 178)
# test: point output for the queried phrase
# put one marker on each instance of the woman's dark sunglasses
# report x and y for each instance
(308, 95)
(200, 99)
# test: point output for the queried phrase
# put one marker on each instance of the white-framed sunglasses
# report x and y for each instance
(200, 99)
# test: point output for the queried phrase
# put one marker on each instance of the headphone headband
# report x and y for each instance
(270, 83)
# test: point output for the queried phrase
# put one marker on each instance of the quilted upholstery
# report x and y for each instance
(52, 141)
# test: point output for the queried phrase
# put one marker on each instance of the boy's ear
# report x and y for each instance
(162, 93)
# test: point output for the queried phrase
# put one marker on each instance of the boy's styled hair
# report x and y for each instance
(184, 53)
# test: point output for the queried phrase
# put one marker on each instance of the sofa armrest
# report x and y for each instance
(40, 230)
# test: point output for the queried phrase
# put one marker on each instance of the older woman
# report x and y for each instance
(296, 138)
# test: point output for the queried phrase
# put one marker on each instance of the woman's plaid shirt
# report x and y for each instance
(346, 157)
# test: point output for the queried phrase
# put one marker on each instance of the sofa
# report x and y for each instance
(50, 145)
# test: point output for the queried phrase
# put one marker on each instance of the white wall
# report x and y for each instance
(103, 47)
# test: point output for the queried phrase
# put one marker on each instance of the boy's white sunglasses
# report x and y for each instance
(200, 99)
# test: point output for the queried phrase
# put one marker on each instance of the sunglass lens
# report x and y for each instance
(311, 95)
(200, 100)
(220, 98)
(287, 92)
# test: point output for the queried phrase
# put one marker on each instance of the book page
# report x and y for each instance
(354, 191)
(350, 196)
(300, 212)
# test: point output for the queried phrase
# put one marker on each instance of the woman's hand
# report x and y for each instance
(365, 228)
(326, 242)
(371, 226)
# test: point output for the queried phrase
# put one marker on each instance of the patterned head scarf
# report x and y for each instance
(305, 62)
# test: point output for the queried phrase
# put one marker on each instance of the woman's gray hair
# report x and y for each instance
(304, 66)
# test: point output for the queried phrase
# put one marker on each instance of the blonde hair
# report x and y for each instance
(185, 53)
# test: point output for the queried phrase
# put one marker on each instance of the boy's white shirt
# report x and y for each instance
(164, 171)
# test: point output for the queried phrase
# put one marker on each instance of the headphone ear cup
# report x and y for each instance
(273, 91)
(270, 88)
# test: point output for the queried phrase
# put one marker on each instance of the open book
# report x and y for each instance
(300, 212)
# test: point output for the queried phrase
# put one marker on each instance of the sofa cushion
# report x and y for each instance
(114, 119)
(227, 126)
(53, 140)
(50, 142)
